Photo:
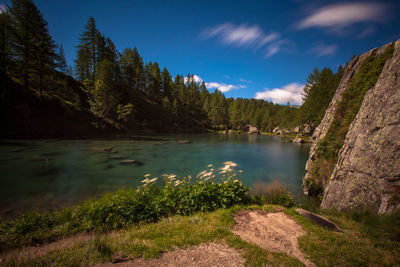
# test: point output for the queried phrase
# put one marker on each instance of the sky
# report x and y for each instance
(251, 49)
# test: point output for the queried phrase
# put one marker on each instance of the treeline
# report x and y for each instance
(122, 90)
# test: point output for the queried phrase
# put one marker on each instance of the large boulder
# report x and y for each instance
(253, 130)
(367, 174)
(319, 133)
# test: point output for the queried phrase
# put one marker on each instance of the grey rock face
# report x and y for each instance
(367, 174)
(350, 70)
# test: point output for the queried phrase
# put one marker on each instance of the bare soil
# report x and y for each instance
(271, 231)
(204, 255)
(37, 251)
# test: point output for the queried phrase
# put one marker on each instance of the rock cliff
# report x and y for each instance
(367, 172)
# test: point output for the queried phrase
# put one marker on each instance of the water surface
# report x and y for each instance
(49, 174)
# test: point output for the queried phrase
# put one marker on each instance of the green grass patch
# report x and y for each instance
(367, 240)
(152, 239)
(327, 152)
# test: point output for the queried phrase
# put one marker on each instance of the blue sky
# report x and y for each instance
(263, 49)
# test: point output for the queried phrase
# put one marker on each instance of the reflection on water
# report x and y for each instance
(49, 174)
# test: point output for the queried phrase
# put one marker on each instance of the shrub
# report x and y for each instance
(147, 203)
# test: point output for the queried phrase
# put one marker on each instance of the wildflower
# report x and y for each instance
(226, 168)
(177, 182)
(152, 180)
(236, 181)
(147, 175)
(200, 174)
(230, 163)
(209, 165)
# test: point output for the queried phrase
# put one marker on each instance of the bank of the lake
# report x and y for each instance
(49, 174)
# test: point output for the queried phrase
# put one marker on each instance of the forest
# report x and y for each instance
(107, 90)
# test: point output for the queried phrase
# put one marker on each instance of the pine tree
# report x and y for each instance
(32, 47)
(86, 62)
(61, 62)
(104, 97)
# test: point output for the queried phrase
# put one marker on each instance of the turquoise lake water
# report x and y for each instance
(49, 174)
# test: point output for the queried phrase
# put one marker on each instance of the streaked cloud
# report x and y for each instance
(241, 35)
(344, 14)
(245, 35)
(324, 50)
(289, 93)
(274, 48)
(370, 30)
(245, 81)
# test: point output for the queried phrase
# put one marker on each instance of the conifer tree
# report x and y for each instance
(31, 45)
(87, 59)
(61, 62)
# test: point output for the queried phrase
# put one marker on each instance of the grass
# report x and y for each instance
(150, 240)
(328, 148)
(367, 240)
(114, 211)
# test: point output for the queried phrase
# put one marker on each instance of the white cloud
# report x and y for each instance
(324, 50)
(223, 87)
(341, 15)
(194, 78)
(245, 35)
(289, 93)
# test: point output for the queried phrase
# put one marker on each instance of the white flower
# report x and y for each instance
(209, 165)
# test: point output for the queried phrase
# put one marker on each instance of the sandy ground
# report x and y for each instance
(210, 254)
(272, 231)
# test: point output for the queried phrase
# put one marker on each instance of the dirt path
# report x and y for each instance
(272, 231)
(37, 251)
(204, 255)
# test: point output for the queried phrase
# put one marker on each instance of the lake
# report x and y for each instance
(49, 174)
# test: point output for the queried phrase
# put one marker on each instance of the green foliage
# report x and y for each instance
(318, 92)
(116, 210)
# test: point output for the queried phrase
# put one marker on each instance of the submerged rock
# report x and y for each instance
(102, 149)
(110, 166)
(131, 162)
(117, 157)
(184, 141)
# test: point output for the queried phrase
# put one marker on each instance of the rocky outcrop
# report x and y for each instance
(319, 133)
(367, 174)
